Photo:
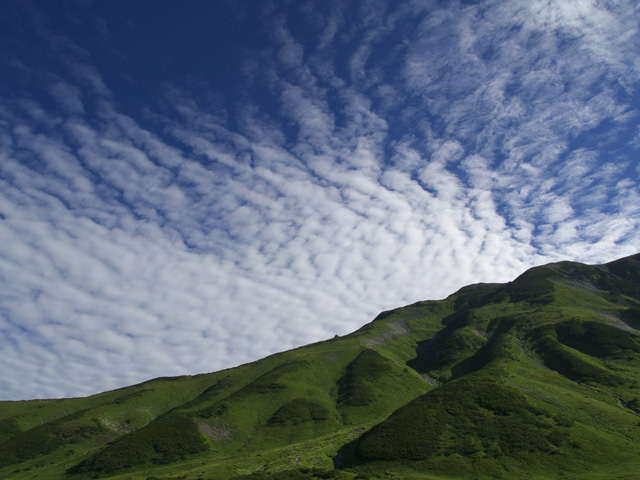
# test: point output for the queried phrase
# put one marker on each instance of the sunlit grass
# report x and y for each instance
(535, 379)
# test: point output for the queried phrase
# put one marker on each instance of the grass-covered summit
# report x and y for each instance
(537, 378)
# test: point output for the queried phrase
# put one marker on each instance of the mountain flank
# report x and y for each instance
(537, 378)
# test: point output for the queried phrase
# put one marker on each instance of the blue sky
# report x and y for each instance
(187, 186)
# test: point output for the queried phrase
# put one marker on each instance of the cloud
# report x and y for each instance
(369, 164)
(68, 97)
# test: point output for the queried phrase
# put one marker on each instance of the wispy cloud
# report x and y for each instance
(381, 156)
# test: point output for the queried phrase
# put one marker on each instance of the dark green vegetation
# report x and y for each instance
(538, 378)
(170, 438)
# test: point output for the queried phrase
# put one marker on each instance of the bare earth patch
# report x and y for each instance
(217, 432)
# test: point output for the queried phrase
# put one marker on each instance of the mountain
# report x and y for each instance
(538, 378)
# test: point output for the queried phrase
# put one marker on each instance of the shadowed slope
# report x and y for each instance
(541, 375)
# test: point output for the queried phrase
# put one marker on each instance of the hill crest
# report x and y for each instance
(535, 377)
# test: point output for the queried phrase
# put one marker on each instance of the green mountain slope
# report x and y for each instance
(537, 378)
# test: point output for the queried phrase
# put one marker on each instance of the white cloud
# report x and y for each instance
(188, 240)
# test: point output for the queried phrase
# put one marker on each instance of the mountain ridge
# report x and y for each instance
(534, 378)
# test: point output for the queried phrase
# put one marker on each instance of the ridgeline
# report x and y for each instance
(537, 378)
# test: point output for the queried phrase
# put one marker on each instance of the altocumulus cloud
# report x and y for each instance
(269, 177)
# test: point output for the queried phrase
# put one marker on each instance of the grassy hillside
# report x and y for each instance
(537, 378)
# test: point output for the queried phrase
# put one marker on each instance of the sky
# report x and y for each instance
(189, 186)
